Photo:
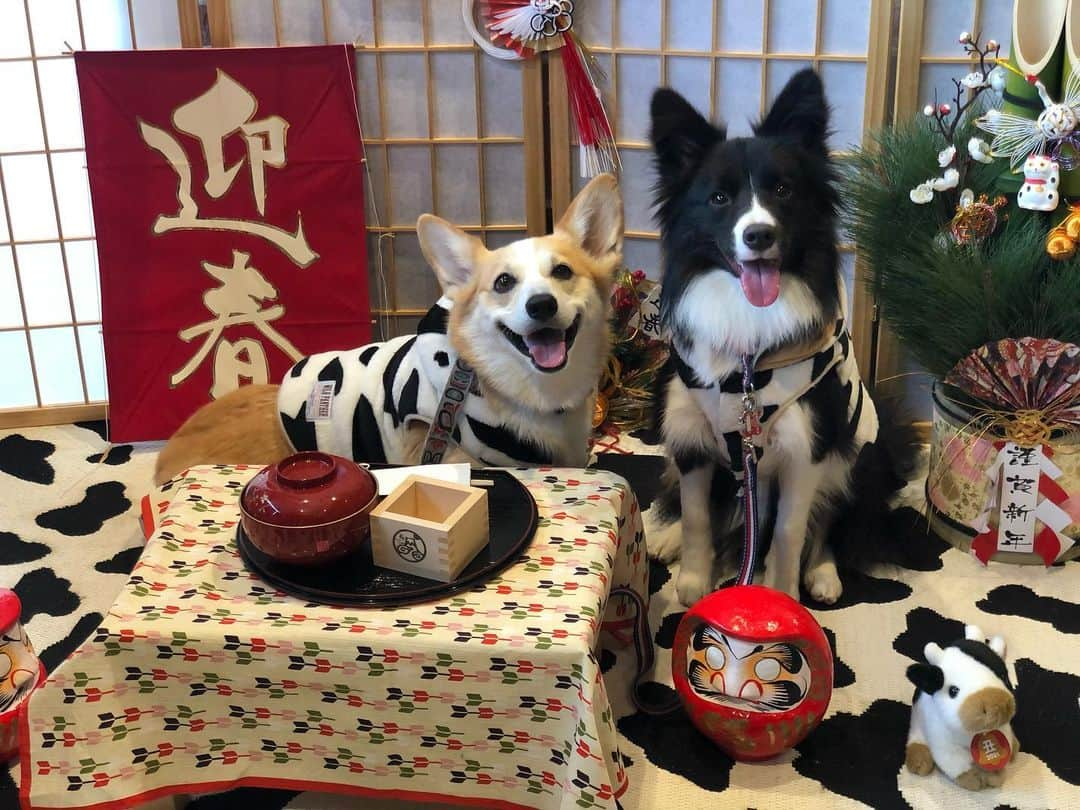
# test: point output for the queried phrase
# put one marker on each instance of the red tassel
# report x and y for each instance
(1048, 545)
(598, 152)
(1052, 490)
(985, 545)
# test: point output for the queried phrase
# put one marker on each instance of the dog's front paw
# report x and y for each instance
(781, 582)
(823, 583)
(663, 540)
(692, 586)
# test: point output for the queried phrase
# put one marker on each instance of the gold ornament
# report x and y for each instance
(975, 219)
(1059, 246)
(600, 410)
(1061, 241)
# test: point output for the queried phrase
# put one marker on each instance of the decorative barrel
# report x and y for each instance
(20, 671)
(962, 455)
(753, 669)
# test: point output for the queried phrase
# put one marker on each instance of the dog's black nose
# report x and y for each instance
(759, 237)
(541, 307)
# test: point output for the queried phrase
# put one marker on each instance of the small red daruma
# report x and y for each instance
(753, 670)
(21, 672)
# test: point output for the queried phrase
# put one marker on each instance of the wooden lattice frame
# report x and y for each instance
(51, 414)
(531, 140)
(875, 112)
(546, 194)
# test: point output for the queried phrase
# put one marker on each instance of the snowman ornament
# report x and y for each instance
(1040, 189)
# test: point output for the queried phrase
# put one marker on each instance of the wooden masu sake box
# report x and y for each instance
(429, 528)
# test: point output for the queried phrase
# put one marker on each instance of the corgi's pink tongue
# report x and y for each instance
(760, 282)
(547, 347)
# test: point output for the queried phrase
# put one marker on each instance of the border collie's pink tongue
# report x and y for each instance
(760, 281)
(547, 347)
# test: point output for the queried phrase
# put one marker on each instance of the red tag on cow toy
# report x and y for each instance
(991, 750)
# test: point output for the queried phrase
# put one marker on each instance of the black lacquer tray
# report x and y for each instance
(355, 582)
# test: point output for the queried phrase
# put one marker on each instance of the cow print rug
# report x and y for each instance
(69, 534)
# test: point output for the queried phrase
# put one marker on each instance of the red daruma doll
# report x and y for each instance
(20, 671)
(753, 669)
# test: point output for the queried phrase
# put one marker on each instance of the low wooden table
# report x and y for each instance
(203, 678)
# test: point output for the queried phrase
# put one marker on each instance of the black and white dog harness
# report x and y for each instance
(830, 371)
(357, 403)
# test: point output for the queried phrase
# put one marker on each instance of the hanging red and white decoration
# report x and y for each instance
(1029, 388)
(1027, 502)
(520, 29)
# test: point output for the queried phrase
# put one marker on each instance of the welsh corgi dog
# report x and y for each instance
(529, 321)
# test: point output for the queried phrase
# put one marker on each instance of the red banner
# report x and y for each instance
(228, 202)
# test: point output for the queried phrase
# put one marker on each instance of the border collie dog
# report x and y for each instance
(748, 228)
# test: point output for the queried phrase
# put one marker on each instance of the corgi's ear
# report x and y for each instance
(594, 219)
(997, 644)
(799, 112)
(452, 253)
(680, 135)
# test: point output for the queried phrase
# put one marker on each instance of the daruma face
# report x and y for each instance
(753, 669)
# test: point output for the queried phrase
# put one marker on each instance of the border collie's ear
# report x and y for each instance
(680, 135)
(927, 678)
(452, 253)
(594, 219)
(799, 112)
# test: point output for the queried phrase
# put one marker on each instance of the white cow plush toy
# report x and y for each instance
(961, 711)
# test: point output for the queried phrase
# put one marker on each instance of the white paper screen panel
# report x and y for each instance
(50, 303)
(729, 58)
(442, 123)
(942, 57)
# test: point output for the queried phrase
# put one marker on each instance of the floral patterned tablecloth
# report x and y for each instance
(203, 678)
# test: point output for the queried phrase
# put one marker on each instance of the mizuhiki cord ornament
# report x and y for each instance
(975, 219)
(1018, 138)
(521, 29)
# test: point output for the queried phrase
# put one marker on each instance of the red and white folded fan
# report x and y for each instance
(520, 29)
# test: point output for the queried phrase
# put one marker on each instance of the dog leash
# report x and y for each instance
(440, 432)
(750, 428)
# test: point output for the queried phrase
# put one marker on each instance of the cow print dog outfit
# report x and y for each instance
(357, 403)
(831, 372)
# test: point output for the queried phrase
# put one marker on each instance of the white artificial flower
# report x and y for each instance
(973, 81)
(928, 110)
(997, 80)
(951, 179)
(922, 193)
(967, 197)
(980, 150)
(946, 155)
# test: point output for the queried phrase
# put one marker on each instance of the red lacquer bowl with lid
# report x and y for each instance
(309, 509)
